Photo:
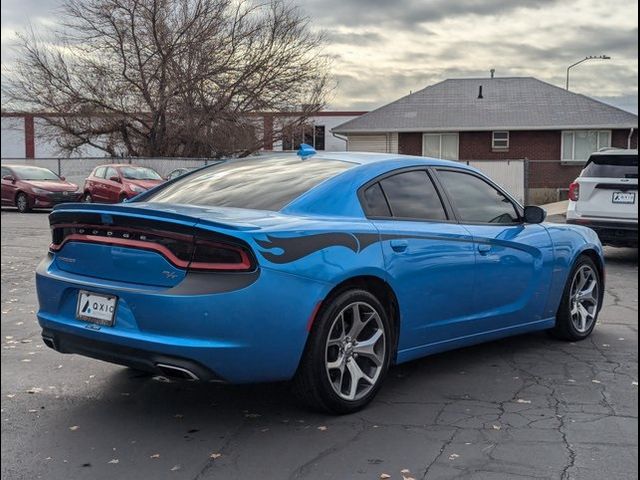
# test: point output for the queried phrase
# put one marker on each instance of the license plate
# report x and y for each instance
(96, 308)
(624, 197)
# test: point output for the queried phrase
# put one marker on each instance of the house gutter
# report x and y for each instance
(629, 138)
(340, 137)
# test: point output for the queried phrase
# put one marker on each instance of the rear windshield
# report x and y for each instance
(35, 173)
(258, 183)
(612, 166)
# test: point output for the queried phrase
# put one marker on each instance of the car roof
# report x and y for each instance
(367, 158)
(616, 151)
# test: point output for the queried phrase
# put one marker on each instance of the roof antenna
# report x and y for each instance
(480, 92)
(493, 72)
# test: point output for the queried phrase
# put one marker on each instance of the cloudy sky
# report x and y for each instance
(383, 49)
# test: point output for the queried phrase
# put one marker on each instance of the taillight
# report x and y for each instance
(574, 192)
(210, 255)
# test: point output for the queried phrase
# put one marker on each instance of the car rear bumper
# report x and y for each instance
(252, 332)
(614, 233)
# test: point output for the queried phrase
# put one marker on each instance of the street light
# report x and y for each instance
(590, 57)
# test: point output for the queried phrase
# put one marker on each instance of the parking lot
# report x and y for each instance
(525, 407)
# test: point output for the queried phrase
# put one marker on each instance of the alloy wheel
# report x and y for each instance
(355, 351)
(585, 298)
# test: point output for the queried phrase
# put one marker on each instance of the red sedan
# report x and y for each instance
(118, 182)
(27, 187)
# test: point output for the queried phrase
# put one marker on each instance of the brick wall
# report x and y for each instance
(541, 147)
(410, 143)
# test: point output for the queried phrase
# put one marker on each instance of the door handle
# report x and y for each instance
(484, 248)
(399, 245)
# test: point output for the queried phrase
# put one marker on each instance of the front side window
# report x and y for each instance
(413, 195)
(111, 173)
(476, 201)
(578, 145)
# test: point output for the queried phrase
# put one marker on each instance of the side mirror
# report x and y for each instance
(115, 179)
(534, 214)
(63, 178)
(9, 178)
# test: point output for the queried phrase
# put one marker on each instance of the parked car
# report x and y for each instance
(118, 182)
(27, 187)
(178, 172)
(605, 197)
(324, 269)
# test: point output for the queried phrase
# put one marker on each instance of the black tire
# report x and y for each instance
(565, 328)
(312, 384)
(22, 203)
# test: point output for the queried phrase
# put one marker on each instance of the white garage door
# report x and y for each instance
(368, 143)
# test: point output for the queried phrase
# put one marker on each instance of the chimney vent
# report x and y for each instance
(493, 72)
(480, 92)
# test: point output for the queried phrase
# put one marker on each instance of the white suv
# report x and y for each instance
(605, 197)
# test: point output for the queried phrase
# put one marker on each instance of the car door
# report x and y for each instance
(428, 256)
(112, 188)
(94, 184)
(8, 187)
(514, 260)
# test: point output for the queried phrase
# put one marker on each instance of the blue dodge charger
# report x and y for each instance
(324, 269)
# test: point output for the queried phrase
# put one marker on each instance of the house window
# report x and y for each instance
(500, 141)
(440, 145)
(578, 145)
(313, 135)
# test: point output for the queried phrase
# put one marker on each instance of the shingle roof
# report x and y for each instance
(516, 103)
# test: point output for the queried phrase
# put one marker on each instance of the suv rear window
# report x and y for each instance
(260, 183)
(612, 166)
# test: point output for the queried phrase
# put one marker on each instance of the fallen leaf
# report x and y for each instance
(175, 468)
(404, 471)
(635, 384)
(596, 381)
(34, 390)
(384, 476)
(322, 428)
(453, 456)
(215, 455)
(155, 455)
(496, 427)
(114, 460)
(74, 428)
(520, 400)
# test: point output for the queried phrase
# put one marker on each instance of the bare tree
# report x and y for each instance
(170, 77)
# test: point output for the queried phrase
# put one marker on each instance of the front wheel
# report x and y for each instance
(22, 203)
(581, 302)
(347, 355)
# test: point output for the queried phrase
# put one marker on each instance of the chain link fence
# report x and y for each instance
(76, 170)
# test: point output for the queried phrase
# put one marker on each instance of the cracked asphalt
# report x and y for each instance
(521, 408)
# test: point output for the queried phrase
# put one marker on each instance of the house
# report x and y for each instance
(498, 119)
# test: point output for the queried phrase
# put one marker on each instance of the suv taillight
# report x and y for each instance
(574, 192)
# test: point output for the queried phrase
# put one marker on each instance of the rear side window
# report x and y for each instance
(375, 205)
(413, 195)
(100, 172)
(476, 201)
(612, 166)
(5, 172)
(111, 172)
(257, 183)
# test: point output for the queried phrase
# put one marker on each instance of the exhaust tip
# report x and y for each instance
(49, 342)
(172, 371)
